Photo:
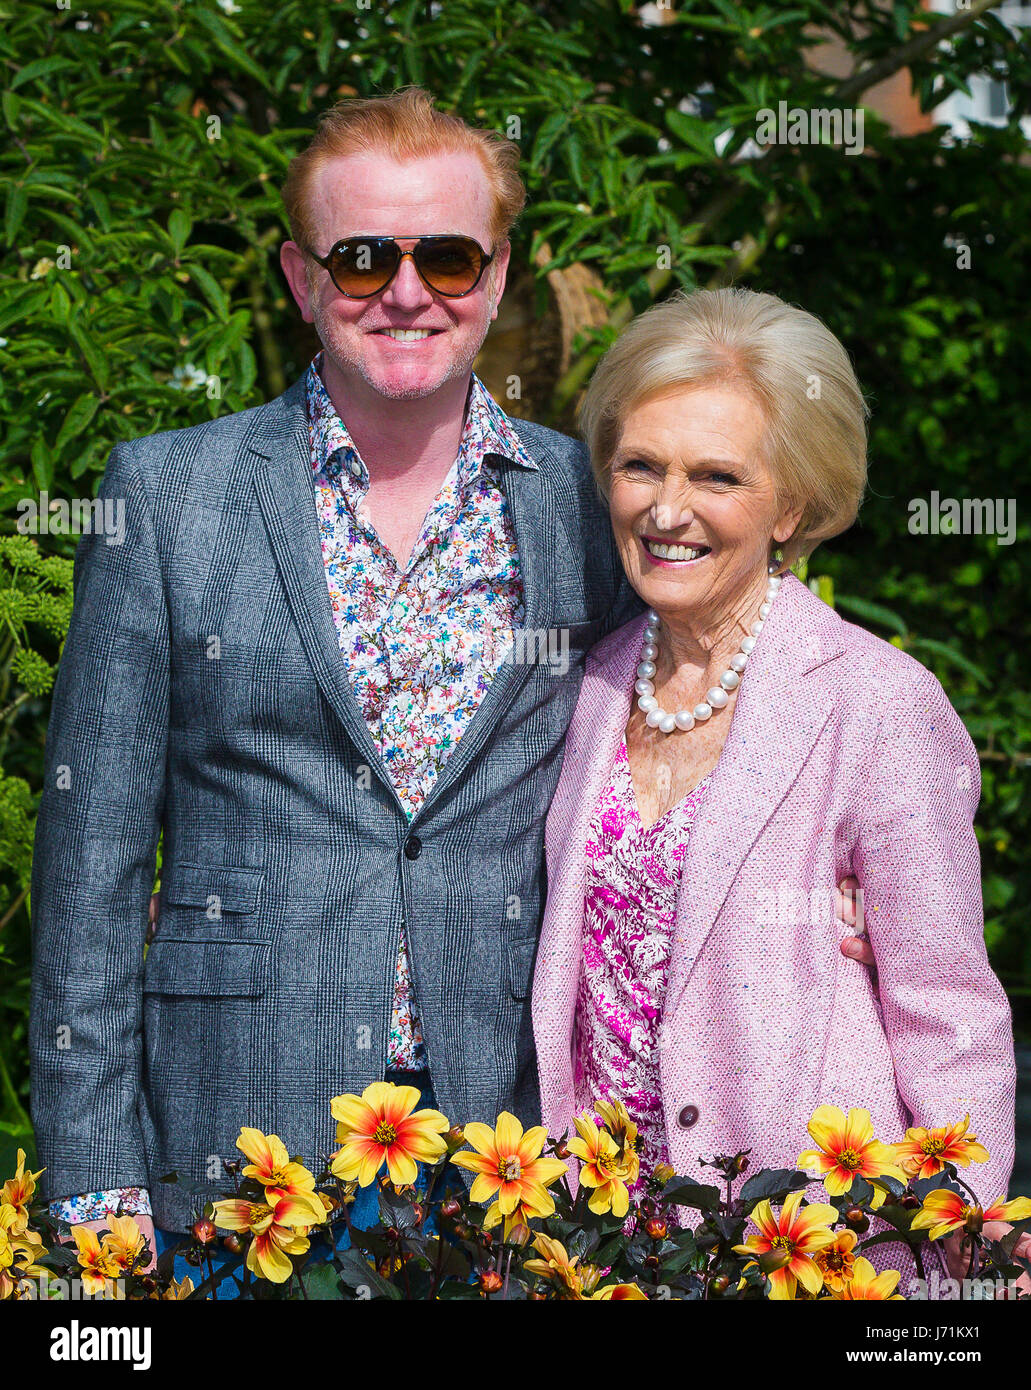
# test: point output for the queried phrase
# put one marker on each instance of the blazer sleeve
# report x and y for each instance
(93, 864)
(946, 1015)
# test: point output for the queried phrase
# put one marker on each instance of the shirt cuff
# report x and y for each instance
(94, 1206)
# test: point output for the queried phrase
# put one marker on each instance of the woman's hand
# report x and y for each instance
(957, 1251)
(855, 946)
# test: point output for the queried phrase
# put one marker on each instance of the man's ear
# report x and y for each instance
(295, 268)
(499, 272)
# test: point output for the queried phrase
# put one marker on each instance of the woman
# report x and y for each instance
(737, 748)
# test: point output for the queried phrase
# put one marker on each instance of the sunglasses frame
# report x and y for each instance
(485, 259)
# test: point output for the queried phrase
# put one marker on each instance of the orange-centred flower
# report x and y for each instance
(866, 1285)
(846, 1150)
(602, 1167)
(271, 1165)
(924, 1152)
(624, 1132)
(511, 1171)
(795, 1234)
(836, 1262)
(18, 1193)
(278, 1228)
(95, 1260)
(382, 1126)
(945, 1211)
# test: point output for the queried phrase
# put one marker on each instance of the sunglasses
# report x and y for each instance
(361, 266)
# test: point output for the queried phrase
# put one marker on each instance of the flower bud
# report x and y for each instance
(857, 1219)
(518, 1235)
(232, 1243)
(771, 1260)
(204, 1231)
(720, 1284)
(740, 1163)
(657, 1228)
(910, 1202)
(490, 1281)
(450, 1207)
(662, 1173)
(652, 1261)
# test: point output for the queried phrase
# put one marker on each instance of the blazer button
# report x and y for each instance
(688, 1116)
(413, 847)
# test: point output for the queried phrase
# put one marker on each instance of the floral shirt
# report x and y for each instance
(630, 906)
(420, 642)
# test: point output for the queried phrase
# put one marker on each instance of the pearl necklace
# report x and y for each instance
(717, 696)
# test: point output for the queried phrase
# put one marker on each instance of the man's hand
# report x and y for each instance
(855, 946)
(146, 1225)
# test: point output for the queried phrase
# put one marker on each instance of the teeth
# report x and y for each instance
(673, 552)
(406, 335)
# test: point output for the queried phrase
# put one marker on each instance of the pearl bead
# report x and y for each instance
(644, 687)
(653, 718)
(703, 711)
(756, 628)
(730, 680)
(646, 669)
(653, 618)
(684, 719)
(738, 663)
(747, 644)
(717, 697)
(764, 610)
(667, 723)
(647, 703)
(649, 651)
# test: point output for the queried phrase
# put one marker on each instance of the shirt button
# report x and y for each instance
(356, 468)
(688, 1116)
(413, 847)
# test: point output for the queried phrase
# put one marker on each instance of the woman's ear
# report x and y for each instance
(787, 525)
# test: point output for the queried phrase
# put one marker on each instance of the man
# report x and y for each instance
(293, 668)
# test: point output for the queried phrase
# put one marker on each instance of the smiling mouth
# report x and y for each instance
(407, 335)
(662, 550)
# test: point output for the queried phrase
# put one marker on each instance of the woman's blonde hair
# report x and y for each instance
(815, 442)
(405, 125)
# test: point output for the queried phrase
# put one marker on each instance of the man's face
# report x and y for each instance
(374, 195)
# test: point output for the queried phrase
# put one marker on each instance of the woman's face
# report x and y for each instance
(688, 472)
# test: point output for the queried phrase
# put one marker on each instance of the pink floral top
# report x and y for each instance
(421, 644)
(630, 903)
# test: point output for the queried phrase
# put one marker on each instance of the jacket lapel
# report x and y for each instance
(285, 486)
(778, 717)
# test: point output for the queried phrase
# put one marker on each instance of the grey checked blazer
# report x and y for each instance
(288, 863)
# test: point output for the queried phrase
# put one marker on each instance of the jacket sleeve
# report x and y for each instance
(96, 839)
(946, 1015)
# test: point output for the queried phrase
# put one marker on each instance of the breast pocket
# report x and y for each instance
(210, 893)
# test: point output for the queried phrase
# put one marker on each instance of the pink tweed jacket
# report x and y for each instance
(843, 757)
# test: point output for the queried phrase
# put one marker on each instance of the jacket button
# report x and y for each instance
(413, 847)
(688, 1116)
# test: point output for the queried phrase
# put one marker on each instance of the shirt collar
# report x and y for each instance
(487, 430)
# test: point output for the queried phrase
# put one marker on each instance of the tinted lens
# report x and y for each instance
(363, 265)
(449, 264)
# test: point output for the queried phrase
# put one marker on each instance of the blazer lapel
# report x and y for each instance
(285, 487)
(778, 717)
